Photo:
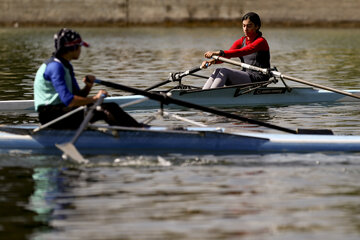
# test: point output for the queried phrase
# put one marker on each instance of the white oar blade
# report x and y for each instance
(70, 150)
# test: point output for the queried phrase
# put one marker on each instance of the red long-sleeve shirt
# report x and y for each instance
(259, 44)
(255, 52)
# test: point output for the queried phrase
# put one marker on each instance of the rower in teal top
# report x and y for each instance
(57, 92)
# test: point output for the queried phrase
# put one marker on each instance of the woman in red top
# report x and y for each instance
(252, 49)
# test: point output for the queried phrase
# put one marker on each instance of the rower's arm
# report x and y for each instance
(259, 44)
(89, 82)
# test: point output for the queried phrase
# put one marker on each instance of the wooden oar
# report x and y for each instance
(278, 74)
(68, 148)
(165, 99)
(174, 77)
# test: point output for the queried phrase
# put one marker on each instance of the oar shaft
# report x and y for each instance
(240, 64)
(320, 86)
(180, 75)
(278, 74)
(157, 85)
(87, 119)
(133, 102)
(169, 100)
(188, 72)
(174, 77)
(58, 119)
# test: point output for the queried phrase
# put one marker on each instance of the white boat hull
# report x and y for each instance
(221, 97)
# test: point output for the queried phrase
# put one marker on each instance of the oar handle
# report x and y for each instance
(178, 76)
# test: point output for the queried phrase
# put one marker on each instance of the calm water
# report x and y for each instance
(276, 196)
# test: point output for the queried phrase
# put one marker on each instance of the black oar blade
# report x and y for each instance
(70, 151)
(315, 131)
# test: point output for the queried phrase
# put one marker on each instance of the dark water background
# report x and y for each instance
(275, 196)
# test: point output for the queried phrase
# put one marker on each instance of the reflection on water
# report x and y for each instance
(183, 197)
(17, 220)
(276, 196)
(217, 199)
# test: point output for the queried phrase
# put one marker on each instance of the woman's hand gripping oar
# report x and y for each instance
(278, 74)
(175, 77)
(68, 148)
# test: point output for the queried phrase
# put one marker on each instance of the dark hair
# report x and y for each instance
(64, 50)
(253, 18)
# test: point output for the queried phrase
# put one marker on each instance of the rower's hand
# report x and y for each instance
(206, 64)
(89, 80)
(99, 94)
(209, 54)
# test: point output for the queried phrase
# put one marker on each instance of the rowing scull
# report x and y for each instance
(159, 140)
(220, 97)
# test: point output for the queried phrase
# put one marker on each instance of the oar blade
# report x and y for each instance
(315, 131)
(70, 151)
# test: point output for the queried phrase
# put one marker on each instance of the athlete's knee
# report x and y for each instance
(110, 106)
(216, 71)
(225, 71)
